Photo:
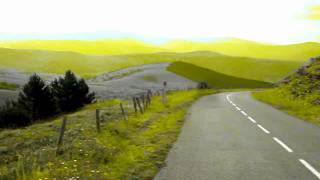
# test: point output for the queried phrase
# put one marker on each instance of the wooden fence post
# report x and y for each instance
(143, 99)
(62, 129)
(139, 105)
(134, 104)
(98, 120)
(123, 112)
(149, 98)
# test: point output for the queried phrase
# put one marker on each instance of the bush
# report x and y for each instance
(13, 116)
(203, 85)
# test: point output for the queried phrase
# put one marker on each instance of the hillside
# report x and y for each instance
(299, 93)
(231, 47)
(214, 79)
(124, 149)
(93, 65)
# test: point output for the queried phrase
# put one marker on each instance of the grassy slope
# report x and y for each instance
(133, 149)
(299, 96)
(281, 99)
(231, 47)
(8, 86)
(90, 65)
(216, 80)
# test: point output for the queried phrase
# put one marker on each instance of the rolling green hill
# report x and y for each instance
(98, 47)
(215, 79)
(92, 65)
(230, 47)
(243, 48)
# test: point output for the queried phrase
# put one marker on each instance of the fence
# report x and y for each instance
(140, 104)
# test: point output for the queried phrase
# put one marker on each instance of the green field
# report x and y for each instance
(214, 79)
(8, 86)
(230, 47)
(133, 149)
(92, 65)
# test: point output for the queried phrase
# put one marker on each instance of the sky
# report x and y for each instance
(272, 21)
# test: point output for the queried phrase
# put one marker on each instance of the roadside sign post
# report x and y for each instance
(164, 93)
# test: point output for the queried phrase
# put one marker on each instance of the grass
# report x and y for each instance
(90, 66)
(150, 78)
(215, 79)
(282, 99)
(8, 86)
(230, 46)
(133, 149)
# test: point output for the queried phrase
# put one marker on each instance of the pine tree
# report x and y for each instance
(37, 99)
(71, 93)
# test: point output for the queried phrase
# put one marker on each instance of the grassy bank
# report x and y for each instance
(215, 79)
(133, 149)
(282, 99)
(8, 86)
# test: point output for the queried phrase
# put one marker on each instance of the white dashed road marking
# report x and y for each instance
(263, 129)
(244, 113)
(308, 166)
(283, 145)
(305, 163)
(251, 119)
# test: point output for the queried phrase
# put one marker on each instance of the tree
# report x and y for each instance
(12, 116)
(71, 93)
(37, 99)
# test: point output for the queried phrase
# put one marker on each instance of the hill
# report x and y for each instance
(214, 79)
(298, 94)
(243, 48)
(98, 47)
(92, 65)
(230, 47)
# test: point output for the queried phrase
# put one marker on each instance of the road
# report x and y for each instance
(232, 136)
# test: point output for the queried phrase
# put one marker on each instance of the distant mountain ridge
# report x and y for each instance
(229, 46)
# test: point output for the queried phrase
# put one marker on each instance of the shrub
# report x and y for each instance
(203, 85)
(13, 116)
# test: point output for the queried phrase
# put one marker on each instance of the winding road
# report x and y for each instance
(232, 136)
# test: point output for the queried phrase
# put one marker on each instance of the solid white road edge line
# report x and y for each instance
(238, 108)
(263, 129)
(308, 166)
(251, 119)
(283, 145)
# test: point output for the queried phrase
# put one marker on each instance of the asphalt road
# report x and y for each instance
(232, 136)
